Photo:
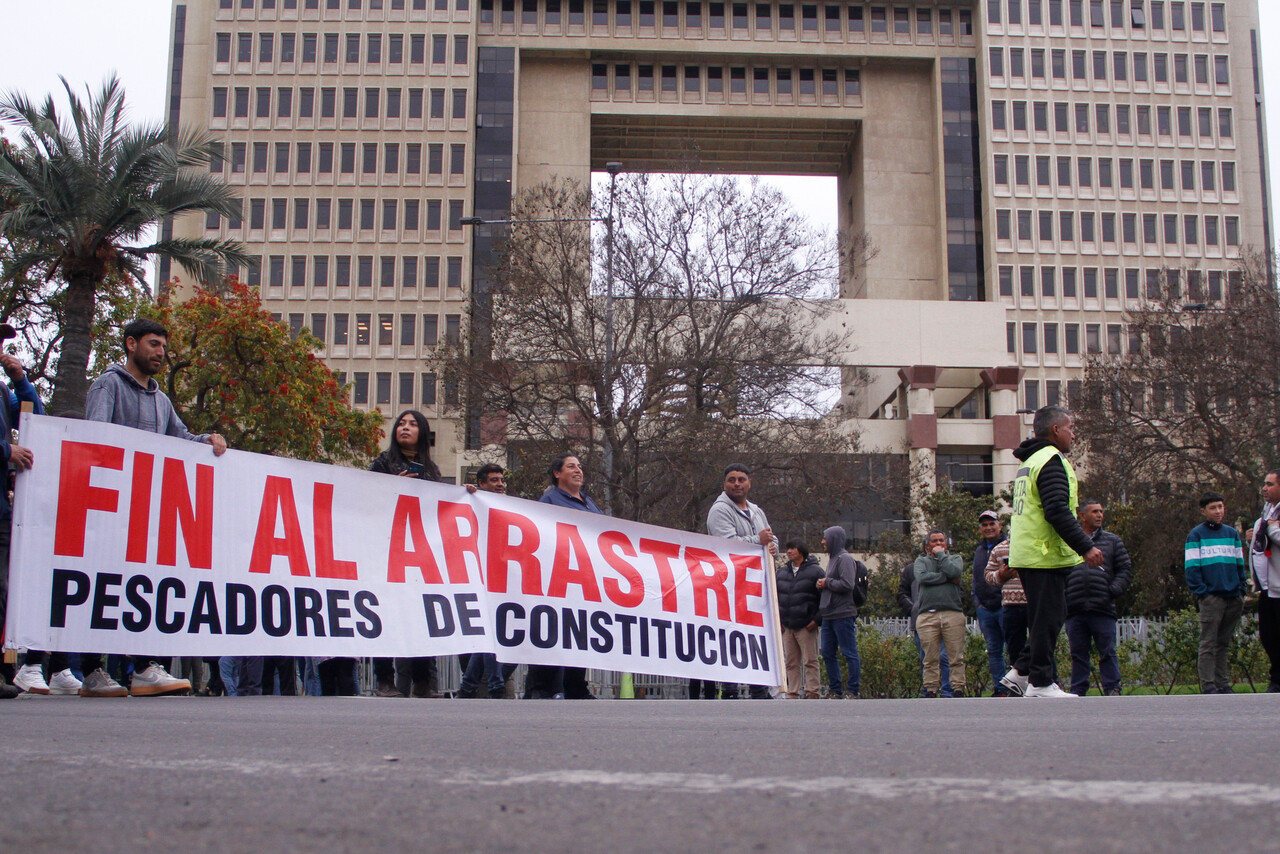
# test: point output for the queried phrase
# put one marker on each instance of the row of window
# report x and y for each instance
(280, 103)
(1034, 335)
(405, 388)
(369, 329)
(342, 270)
(402, 216)
(349, 5)
(1124, 18)
(348, 158)
(1169, 230)
(857, 22)
(1065, 174)
(358, 54)
(1073, 122)
(1052, 393)
(1110, 281)
(1116, 67)
(781, 85)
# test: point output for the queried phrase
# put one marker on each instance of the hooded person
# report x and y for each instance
(843, 589)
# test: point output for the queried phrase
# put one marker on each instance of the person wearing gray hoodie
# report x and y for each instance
(129, 395)
(843, 590)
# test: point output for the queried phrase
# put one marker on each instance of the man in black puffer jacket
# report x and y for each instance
(1091, 607)
(798, 602)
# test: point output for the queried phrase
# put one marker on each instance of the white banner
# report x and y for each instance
(130, 542)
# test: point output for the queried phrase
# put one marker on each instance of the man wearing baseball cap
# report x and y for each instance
(986, 598)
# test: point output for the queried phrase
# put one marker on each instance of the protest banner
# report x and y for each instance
(129, 542)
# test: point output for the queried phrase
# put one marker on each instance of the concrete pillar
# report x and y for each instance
(922, 432)
(1006, 425)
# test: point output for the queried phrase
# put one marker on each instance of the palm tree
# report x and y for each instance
(83, 192)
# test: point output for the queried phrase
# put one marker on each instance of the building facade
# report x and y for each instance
(1024, 169)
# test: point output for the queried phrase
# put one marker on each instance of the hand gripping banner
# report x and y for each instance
(129, 542)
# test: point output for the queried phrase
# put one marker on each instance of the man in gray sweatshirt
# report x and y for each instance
(129, 395)
(843, 590)
(733, 517)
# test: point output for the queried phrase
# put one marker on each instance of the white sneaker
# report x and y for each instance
(1015, 683)
(30, 678)
(155, 681)
(64, 682)
(1053, 692)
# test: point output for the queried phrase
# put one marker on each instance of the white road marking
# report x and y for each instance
(1110, 792)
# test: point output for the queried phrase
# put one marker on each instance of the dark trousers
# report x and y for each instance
(215, 686)
(384, 672)
(1085, 631)
(1046, 612)
(338, 677)
(544, 681)
(406, 674)
(1013, 620)
(704, 689)
(1269, 633)
(283, 667)
(416, 677)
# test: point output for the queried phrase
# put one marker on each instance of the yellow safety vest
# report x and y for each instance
(1033, 542)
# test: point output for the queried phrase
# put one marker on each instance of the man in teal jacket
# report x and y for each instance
(1214, 561)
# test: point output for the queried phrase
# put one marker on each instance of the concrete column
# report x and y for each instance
(922, 432)
(1006, 425)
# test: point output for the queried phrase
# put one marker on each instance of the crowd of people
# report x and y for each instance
(1056, 567)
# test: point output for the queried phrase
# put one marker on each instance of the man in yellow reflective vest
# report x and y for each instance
(1045, 542)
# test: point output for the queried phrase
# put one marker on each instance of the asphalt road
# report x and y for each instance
(267, 774)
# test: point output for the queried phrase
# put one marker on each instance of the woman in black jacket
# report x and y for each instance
(408, 454)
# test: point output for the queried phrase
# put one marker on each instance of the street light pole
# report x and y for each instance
(613, 167)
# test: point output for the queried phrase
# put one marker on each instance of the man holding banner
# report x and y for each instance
(21, 459)
(733, 517)
(129, 395)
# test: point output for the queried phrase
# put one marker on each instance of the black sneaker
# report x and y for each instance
(1112, 692)
(958, 692)
(467, 693)
(1226, 689)
(931, 695)
(7, 691)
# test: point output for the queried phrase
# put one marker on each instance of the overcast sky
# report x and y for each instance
(84, 40)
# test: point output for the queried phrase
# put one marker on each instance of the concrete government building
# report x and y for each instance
(1025, 169)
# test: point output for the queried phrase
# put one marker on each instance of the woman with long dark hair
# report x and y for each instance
(408, 454)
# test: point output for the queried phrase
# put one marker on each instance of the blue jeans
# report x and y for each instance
(842, 633)
(992, 625)
(310, 677)
(1083, 632)
(241, 674)
(943, 662)
(484, 665)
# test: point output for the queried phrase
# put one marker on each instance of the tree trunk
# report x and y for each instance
(71, 385)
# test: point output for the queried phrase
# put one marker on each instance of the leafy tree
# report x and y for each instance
(234, 370)
(712, 349)
(83, 193)
(1194, 405)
